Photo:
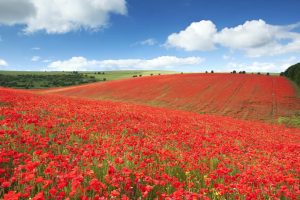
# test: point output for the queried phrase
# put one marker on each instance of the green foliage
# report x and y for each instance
(293, 73)
(293, 121)
(29, 81)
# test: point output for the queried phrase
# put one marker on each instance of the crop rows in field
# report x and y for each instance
(255, 97)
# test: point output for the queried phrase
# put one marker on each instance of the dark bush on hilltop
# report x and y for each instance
(293, 73)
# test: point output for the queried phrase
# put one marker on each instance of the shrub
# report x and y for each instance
(293, 73)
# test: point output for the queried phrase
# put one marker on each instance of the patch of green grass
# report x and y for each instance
(123, 74)
(293, 121)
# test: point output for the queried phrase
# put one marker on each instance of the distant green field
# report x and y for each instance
(115, 75)
(38, 79)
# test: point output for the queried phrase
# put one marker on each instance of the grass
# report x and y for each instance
(293, 121)
(39, 79)
(123, 74)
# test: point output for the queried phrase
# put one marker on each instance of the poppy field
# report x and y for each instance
(58, 147)
(242, 96)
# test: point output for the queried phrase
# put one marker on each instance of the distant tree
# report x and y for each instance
(281, 73)
(206, 72)
(151, 74)
(181, 72)
(212, 71)
(234, 72)
(258, 73)
(104, 79)
(159, 74)
(140, 75)
(268, 74)
(244, 72)
(134, 76)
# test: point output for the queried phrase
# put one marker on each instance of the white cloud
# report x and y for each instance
(149, 42)
(198, 36)
(46, 61)
(256, 38)
(36, 48)
(3, 63)
(59, 16)
(16, 11)
(279, 66)
(251, 34)
(163, 62)
(35, 58)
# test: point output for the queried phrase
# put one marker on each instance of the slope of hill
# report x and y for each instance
(242, 96)
(54, 147)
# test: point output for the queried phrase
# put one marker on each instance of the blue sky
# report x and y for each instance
(182, 35)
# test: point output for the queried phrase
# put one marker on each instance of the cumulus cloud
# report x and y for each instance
(57, 16)
(36, 48)
(16, 11)
(163, 62)
(35, 58)
(279, 66)
(197, 36)
(3, 63)
(256, 38)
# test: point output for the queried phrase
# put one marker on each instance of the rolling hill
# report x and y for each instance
(243, 96)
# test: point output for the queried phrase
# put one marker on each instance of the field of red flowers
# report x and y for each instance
(243, 96)
(54, 147)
